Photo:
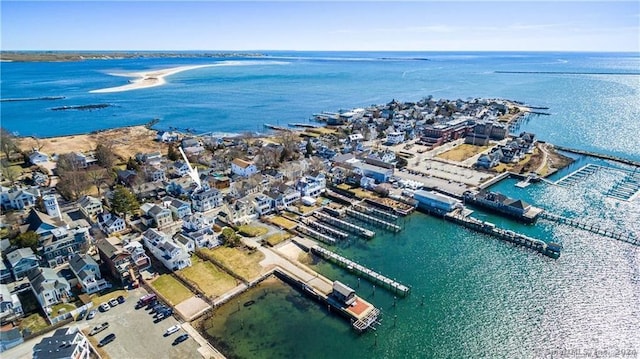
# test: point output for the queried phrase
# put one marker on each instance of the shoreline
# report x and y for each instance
(147, 79)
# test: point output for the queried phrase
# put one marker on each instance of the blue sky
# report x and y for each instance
(307, 25)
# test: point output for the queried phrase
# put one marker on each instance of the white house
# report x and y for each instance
(10, 306)
(180, 168)
(18, 198)
(90, 206)
(110, 223)
(312, 185)
(161, 216)
(187, 243)
(173, 256)
(88, 273)
(167, 136)
(37, 157)
(205, 199)
(155, 172)
(197, 221)
(395, 137)
(178, 207)
(48, 286)
(243, 168)
(263, 204)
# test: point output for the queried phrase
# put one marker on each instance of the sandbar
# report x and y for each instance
(148, 79)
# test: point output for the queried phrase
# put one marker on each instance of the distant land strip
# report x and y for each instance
(53, 56)
(45, 98)
(568, 73)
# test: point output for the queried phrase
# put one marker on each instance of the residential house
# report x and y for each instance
(88, 273)
(203, 238)
(217, 181)
(22, 261)
(378, 173)
(37, 157)
(312, 185)
(123, 258)
(206, 199)
(240, 211)
(192, 146)
(110, 223)
(180, 168)
(160, 217)
(18, 198)
(155, 172)
(65, 343)
(172, 255)
(181, 186)
(63, 243)
(395, 137)
(167, 136)
(127, 177)
(151, 158)
(263, 204)
(90, 206)
(196, 222)
(5, 272)
(178, 207)
(79, 160)
(284, 195)
(10, 306)
(243, 168)
(188, 243)
(489, 160)
(49, 287)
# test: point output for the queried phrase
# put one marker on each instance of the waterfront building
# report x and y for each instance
(37, 157)
(434, 201)
(312, 185)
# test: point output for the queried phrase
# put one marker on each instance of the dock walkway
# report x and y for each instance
(373, 220)
(374, 277)
(628, 237)
(345, 225)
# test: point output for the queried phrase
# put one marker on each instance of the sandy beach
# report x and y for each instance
(148, 79)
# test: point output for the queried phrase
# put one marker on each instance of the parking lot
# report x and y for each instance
(137, 336)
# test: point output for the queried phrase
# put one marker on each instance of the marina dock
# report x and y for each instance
(363, 232)
(325, 229)
(548, 249)
(315, 234)
(373, 220)
(374, 277)
(628, 237)
(375, 211)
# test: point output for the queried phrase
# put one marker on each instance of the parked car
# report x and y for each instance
(158, 307)
(172, 329)
(160, 317)
(92, 313)
(113, 302)
(105, 307)
(180, 339)
(98, 328)
(151, 304)
(121, 299)
(106, 340)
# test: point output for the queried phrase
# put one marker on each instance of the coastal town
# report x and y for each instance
(113, 236)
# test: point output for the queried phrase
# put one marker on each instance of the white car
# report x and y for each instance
(171, 330)
(105, 307)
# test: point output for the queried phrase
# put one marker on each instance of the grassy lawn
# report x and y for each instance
(65, 307)
(242, 262)
(361, 193)
(171, 289)
(34, 322)
(304, 209)
(344, 186)
(278, 238)
(252, 231)
(98, 299)
(210, 279)
(462, 152)
(283, 222)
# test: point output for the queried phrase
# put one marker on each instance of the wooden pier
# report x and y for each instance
(628, 237)
(363, 232)
(576, 176)
(374, 277)
(373, 220)
(315, 234)
(325, 229)
(375, 211)
(549, 249)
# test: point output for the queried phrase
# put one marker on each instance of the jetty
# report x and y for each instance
(598, 155)
(550, 249)
(624, 236)
(372, 276)
(276, 128)
(363, 232)
(373, 220)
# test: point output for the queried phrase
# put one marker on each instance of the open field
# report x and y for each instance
(35, 323)
(126, 141)
(283, 222)
(171, 288)
(462, 152)
(252, 230)
(210, 279)
(242, 262)
(277, 238)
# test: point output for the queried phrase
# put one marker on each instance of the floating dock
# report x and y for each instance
(373, 220)
(363, 232)
(628, 237)
(374, 277)
(375, 211)
(578, 175)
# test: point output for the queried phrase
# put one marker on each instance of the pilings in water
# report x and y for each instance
(367, 273)
(315, 234)
(363, 232)
(325, 229)
(627, 237)
(374, 211)
(373, 220)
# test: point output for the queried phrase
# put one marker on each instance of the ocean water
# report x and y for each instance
(472, 295)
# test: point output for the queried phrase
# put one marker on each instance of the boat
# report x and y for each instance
(249, 303)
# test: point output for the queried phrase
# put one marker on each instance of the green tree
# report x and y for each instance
(133, 164)
(229, 237)
(123, 201)
(27, 239)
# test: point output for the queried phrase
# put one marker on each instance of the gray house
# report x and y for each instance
(88, 273)
(48, 286)
(22, 261)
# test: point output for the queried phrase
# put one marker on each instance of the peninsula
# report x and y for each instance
(149, 78)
